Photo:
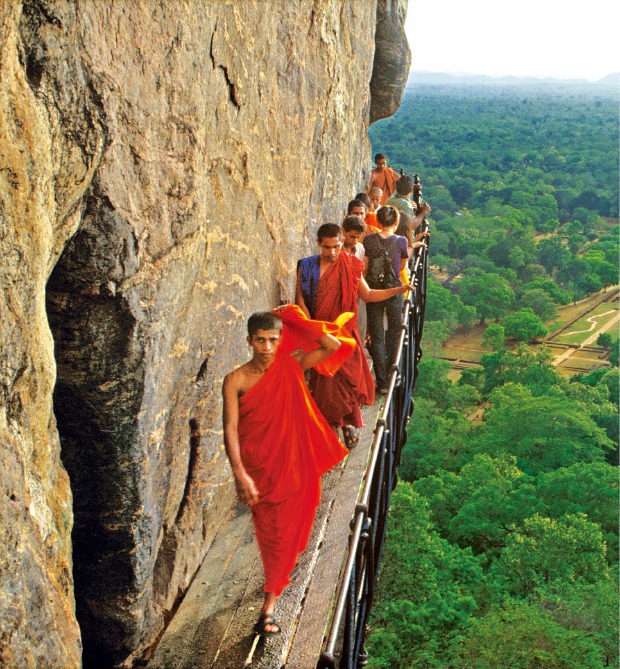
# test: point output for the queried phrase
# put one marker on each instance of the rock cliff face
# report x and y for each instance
(162, 167)
(392, 60)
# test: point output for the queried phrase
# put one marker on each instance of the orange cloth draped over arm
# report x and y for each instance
(339, 397)
(301, 332)
(286, 445)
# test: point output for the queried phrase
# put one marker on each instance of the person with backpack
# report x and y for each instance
(386, 256)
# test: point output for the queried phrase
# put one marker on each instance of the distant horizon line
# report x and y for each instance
(453, 73)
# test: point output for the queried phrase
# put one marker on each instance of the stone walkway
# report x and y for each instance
(212, 627)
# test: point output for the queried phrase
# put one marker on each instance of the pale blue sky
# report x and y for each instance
(541, 38)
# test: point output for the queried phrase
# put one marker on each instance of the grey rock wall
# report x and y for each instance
(162, 167)
(392, 60)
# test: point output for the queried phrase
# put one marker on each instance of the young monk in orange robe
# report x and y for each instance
(278, 443)
(327, 285)
(369, 218)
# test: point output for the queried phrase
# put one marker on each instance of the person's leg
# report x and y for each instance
(272, 540)
(375, 311)
(394, 312)
(361, 319)
(282, 532)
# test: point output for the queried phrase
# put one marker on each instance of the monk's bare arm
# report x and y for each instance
(373, 179)
(299, 298)
(328, 344)
(375, 295)
(246, 488)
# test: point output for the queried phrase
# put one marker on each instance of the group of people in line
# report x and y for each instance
(281, 428)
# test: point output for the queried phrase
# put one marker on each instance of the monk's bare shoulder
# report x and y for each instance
(237, 380)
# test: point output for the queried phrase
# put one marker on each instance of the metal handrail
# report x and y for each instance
(368, 525)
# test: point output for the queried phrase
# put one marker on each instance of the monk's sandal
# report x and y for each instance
(351, 436)
(264, 620)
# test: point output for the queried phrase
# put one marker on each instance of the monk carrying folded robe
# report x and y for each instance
(278, 443)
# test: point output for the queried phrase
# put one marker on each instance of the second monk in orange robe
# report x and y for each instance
(327, 285)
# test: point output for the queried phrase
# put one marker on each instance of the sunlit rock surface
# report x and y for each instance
(162, 167)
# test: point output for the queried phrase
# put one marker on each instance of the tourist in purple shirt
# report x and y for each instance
(383, 344)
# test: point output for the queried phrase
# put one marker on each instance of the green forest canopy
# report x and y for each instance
(548, 150)
(524, 189)
(502, 546)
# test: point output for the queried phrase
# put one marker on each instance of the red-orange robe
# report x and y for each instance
(339, 397)
(385, 180)
(372, 225)
(286, 446)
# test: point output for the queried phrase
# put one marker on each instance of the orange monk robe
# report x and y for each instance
(372, 225)
(385, 180)
(339, 397)
(286, 446)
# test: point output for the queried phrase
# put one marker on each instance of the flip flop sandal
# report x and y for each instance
(351, 436)
(263, 621)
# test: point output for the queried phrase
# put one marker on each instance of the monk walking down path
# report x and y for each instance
(328, 285)
(382, 177)
(278, 443)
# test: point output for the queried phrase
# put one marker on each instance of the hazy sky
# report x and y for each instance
(541, 38)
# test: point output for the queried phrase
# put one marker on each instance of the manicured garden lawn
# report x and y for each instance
(571, 311)
(583, 328)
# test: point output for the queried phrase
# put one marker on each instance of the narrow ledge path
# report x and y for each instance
(212, 628)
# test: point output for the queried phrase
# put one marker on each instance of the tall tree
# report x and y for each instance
(493, 337)
(607, 272)
(524, 325)
(490, 294)
(522, 636)
(539, 301)
(544, 552)
(551, 254)
(585, 487)
(587, 608)
(589, 283)
(427, 588)
(544, 432)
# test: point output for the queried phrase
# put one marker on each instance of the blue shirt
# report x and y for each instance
(309, 270)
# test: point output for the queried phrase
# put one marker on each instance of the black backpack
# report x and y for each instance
(380, 274)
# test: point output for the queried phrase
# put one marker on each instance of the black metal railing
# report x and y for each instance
(347, 631)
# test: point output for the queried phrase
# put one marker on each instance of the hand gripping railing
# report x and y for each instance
(368, 525)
